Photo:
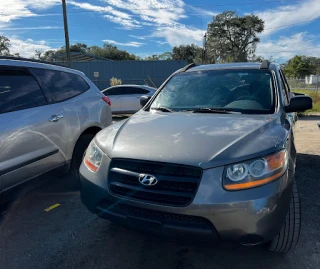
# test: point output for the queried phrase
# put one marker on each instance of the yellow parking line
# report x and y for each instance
(52, 207)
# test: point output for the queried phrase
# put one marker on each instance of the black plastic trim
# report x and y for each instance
(184, 69)
(30, 161)
(265, 64)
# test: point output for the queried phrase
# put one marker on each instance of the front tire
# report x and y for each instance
(78, 154)
(288, 237)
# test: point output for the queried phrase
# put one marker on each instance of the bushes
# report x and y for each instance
(114, 81)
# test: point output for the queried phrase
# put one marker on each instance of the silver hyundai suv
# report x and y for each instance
(48, 116)
(210, 154)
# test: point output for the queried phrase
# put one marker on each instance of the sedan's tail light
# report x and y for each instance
(107, 100)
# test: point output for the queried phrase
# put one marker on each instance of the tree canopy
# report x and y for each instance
(232, 38)
(4, 46)
(192, 53)
(301, 66)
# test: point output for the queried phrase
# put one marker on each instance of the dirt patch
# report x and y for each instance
(307, 135)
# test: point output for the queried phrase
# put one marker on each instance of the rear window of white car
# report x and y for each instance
(62, 85)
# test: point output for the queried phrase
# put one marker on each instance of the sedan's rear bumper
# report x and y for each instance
(249, 217)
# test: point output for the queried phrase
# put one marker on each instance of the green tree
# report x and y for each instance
(192, 53)
(232, 38)
(153, 57)
(4, 46)
(78, 47)
(111, 52)
(166, 56)
(47, 56)
(299, 67)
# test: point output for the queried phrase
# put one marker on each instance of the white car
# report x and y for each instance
(126, 98)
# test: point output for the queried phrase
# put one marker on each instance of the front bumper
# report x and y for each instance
(249, 216)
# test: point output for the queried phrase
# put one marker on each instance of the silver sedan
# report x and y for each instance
(126, 98)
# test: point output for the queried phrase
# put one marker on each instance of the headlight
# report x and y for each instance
(255, 172)
(93, 157)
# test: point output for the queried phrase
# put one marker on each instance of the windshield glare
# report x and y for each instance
(235, 90)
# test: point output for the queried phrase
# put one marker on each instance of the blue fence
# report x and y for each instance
(130, 72)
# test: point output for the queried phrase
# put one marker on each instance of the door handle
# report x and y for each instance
(55, 118)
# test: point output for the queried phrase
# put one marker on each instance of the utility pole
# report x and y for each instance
(66, 32)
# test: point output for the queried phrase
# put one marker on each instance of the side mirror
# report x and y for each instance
(144, 100)
(299, 103)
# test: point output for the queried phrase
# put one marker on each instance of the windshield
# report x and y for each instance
(245, 91)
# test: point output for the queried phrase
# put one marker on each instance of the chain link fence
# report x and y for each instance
(304, 84)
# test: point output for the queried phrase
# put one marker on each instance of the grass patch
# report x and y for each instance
(315, 97)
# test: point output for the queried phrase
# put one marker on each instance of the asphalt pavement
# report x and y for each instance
(67, 235)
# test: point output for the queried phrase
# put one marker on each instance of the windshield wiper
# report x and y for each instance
(212, 110)
(163, 109)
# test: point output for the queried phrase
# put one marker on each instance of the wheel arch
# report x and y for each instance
(89, 130)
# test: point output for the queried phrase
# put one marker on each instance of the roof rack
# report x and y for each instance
(30, 60)
(184, 69)
(265, 64)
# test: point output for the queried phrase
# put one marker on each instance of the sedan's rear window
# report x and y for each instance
(246, 91)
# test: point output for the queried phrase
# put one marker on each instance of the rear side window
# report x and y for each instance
(114, 91)
(19, 90)
(62, 85)
(128, 90)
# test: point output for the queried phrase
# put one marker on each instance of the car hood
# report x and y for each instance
(205, 140)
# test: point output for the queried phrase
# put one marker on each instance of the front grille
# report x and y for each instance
(163, 217)
(177, 184)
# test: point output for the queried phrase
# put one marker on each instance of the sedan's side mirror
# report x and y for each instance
(299, 103)
(144, 100)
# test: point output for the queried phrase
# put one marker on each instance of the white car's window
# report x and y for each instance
(132, 90)
(114, 91)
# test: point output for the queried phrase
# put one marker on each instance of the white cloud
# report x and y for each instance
(181, 36)
(112, 15)
(284, 16)
(15, 9)
(102, 9)
(30, 28)
(158, 12)
(127, 24)
(138, 37)
(201, 12)
(127, 44)
(160, 43)
(27, 48)
(286, 47)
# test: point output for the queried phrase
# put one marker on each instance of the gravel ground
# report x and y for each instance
(71, 237)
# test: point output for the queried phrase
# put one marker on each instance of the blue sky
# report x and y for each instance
(146, 27)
